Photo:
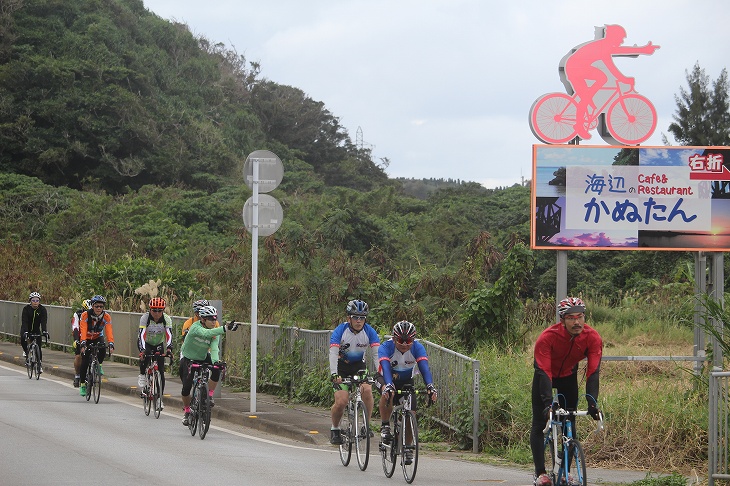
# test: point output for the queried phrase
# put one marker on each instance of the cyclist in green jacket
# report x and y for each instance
(201, 345)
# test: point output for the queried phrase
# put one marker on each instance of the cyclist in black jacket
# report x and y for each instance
(34, 320)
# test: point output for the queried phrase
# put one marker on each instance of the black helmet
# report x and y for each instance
(357, 308)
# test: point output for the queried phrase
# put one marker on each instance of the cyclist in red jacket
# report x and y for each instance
(558, 351)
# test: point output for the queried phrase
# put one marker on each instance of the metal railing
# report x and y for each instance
(456, 376)
(719, 425)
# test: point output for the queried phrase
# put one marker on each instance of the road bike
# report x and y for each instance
(200, 403)
(404, 429)
(355, 423)
(564, 457)
(152, 391)
(33, 356)
(630, 118)
(93, 373)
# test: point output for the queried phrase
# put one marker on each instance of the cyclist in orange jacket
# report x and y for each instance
(94, 325)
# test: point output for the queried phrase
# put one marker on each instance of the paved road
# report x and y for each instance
(301, 425)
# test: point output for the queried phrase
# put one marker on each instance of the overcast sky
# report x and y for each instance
(443, 88)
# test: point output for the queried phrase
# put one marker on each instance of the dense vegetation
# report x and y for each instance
(122, 142)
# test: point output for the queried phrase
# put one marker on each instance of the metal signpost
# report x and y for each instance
(262, 215)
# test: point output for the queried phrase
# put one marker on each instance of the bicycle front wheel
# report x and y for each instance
(362, 439)
(29, 365)
(550, 458)
(37, 359)
(147, 395)
(97, 382)
(389, 452)
(346, 434)
(203, 412)
(577, 462)
(631, 119)
(552, 118)
(194, 404)
(157, 392)
(409, 458)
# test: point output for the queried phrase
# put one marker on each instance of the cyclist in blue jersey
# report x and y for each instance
(348, 345)
(400, 358)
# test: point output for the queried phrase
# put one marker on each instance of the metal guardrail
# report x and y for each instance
(719, 427)
(456, 376)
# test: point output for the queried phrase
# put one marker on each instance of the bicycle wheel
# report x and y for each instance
(147, 394)
(97, 381)
(193, 424)
(203, 412)
(362, 439)
(552, 117)
(409, 423)
(157, 392)
(550, 457)
(29, 365)
(577, 462)
(90, 381)
(346, 434)
(389, 452)
(631, 119)
(37, 359)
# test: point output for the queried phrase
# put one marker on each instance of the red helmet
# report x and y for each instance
(571, 305)
(158, 303)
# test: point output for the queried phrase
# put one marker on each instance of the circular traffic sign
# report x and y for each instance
(270, 215)
(271, 170)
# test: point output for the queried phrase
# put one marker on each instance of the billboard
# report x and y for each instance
(630, 198)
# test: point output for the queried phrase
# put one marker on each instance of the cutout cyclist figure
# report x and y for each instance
(588, 66)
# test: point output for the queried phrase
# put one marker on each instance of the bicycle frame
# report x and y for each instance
(152, 393)
(93, 374)
(404, 428)
(199, 404)
(564, 446)
(33, 355)
(358, 423)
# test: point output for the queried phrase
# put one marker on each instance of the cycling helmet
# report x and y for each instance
(404, 331)
(198, 304)
(571, 305)
(86, 304)
(34, 295)
(98, 298)
(357, 307)
(208, 311)
(157, 303)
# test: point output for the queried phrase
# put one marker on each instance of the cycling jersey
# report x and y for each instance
(200, 340)
(557, 352)
(348, 348)
(92, 326)
(399, 368)
(154, 333)
(75, 319)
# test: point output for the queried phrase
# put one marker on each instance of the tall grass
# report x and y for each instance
(656, 411)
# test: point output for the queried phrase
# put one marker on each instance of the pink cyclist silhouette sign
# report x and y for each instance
(599, 95)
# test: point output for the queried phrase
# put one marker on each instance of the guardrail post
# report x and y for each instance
(475, 425)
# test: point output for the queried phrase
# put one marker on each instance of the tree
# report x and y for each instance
(703, 114)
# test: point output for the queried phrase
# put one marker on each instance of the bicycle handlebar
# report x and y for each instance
(31, 337)
(560, 413)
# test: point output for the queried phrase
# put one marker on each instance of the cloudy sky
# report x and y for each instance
(443, 88)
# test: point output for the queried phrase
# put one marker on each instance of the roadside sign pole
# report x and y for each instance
(260, 208)
(254, 279)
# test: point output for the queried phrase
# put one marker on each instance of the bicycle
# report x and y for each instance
(200, 404)
(33, 356)
(404, 428)
(565, 465)
(355, 423)
(630, 119)
(152, 392)
(93, 373)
